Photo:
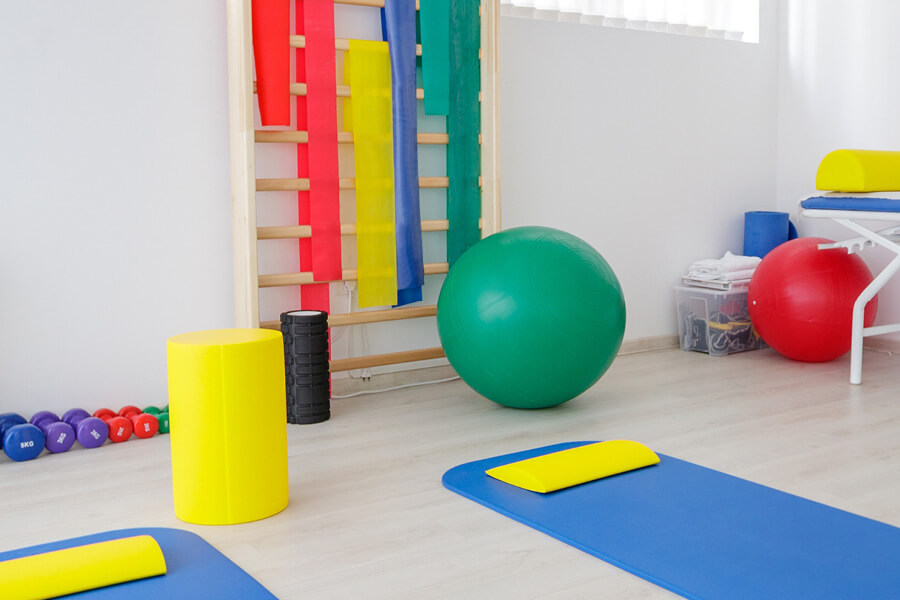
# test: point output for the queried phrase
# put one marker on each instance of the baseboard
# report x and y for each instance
(649, 344)
(344, 385)
(882, 344)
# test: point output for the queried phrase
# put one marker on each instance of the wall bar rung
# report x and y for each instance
(380, 360)
(294, 232)
(299, 41)
(288, 279)
(370, 316)
(344, 137)
(343, 91)
(345, 183)
(373, 3)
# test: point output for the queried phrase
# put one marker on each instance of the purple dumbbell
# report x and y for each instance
(43, 416)
(59, 435)
(90, 431)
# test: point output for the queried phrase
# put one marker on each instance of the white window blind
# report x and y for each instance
(724, 19)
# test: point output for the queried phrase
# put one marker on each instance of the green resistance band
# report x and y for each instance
(463, 126)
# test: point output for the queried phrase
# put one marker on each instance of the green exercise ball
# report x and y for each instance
(531, 317)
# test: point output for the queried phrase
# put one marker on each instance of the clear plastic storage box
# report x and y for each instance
(715, 321)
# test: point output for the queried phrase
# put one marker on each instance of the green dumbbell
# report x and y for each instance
(162, 415)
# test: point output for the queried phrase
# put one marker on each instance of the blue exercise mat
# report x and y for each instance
(864, 203)
(701, 533)
(194, 569)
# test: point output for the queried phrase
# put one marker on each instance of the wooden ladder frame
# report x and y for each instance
(244, 184)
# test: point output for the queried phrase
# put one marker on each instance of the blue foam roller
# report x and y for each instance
(23, 442)
(766, 229)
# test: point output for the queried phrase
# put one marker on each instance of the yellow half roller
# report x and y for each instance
(559, 470)
(859, 171)
(373, 155)
(81, 568)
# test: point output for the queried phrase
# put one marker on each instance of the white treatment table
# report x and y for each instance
(875, 209)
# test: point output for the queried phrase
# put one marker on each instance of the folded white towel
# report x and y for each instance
(741, 275)
(713, 268)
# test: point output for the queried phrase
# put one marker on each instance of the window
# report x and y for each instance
(724, 19)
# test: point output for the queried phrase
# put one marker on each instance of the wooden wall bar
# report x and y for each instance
(245, 185)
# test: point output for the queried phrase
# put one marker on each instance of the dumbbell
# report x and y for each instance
(59, 436)
(145, 424)
(120, 428)
(20, 439)
(162, 415)
(90, 431)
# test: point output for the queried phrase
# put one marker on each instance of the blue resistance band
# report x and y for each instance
(399, 20)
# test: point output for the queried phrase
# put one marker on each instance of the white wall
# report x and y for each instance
(649, 146)
(837, 88)
(115, 202)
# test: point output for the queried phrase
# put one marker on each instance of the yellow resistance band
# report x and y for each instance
(373, 153)
(81, 568)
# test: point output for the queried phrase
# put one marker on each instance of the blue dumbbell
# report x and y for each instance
(20, 439)
(8, 420)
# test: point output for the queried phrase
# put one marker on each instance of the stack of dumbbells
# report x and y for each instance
(26, 439)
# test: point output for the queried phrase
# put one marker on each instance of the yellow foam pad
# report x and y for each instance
(81, 568)
(559, 470)
(859, 171)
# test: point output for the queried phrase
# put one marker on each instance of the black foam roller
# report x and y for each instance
(305, 334)
(308, 419)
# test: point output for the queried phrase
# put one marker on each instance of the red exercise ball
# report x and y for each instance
(801, 299)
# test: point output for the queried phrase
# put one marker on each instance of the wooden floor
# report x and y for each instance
(368, 517)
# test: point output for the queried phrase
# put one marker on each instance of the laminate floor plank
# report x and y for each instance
(368, 517)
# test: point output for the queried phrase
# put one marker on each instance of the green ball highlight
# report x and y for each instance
(531, 317)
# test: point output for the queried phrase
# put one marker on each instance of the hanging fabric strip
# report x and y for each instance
(400, 23)
(434, 17)
(272, 56)
(314, 296)
(370, 93)
(321, 123)
(463, 125)
(419, 38)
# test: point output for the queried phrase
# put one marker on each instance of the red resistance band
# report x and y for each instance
(313, 296)
(321, 123)
(272, 54)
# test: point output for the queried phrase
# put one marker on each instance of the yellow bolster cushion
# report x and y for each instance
(859, 171)
(559, 470)
(81, 568)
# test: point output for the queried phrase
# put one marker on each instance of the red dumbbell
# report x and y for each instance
(120, 428)
(144, 425)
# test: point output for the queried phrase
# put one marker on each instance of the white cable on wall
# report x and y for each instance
(398, 387)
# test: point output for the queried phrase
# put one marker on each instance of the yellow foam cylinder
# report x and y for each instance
(559, 470)
(859, 171)
(228, 425)
(81, 568)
